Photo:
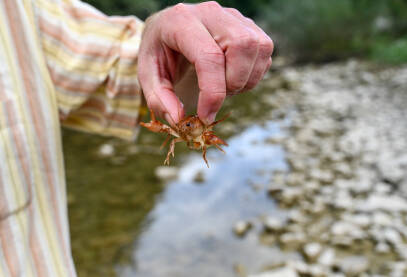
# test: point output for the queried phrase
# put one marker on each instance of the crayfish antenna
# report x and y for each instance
(218, 121)
(220, 148)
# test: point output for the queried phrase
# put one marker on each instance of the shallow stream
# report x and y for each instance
(127, 222)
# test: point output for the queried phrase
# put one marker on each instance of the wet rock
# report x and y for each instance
(354, 265)
(199, 177)
(166, 173)
(241, 228)
(282, 272)
(311, 251)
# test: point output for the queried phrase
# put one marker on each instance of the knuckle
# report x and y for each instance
(233, 11)
(267, 46)
(235, 86)
(179, 9)
(211, 5)
(247, 41)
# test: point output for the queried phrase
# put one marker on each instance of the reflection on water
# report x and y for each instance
(190, 229)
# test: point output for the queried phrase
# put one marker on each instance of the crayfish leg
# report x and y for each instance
(204, 155)
(165, 141)
(171, 150)
(158, 127)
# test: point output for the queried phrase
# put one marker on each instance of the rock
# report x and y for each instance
(392, 236)
(292, 239)
(312, 251)
(295, 179)
(106, 150)
(324, 176)
(274, 224)
(282, 272)
(296, 216)
(242, 227)
(166, 173)
(199, 177)
(343, 228)
(354, 265)
(382, 248)
(301, 267)
(390, 203)
(290, 195)
(361, 220)
(381, 219)
(327, 257)
(275, 191)
(316, 270)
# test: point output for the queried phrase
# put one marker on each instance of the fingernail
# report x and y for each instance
(169, 118)
(210, 118)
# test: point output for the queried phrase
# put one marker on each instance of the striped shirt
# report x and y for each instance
(61, 63)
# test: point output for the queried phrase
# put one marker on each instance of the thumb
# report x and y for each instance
(159, 93)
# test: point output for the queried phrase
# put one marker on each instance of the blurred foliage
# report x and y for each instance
(324, 30)
(311, 30)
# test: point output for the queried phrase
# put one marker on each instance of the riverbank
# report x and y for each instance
(345, 192)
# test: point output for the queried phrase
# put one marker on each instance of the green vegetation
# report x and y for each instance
(311, 30)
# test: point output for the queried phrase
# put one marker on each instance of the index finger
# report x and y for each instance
(191, 38)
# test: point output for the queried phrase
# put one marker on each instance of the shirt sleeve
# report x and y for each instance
(92, 60)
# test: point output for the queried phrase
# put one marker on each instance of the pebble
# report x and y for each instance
(312, 251)
(106, 150)
(242, 227)
(327, 257)
(354, 265)
(166, 173)
(274, 224)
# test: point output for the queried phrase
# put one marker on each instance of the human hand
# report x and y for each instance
(230, 54)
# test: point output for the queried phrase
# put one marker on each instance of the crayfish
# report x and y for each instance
(190, 129)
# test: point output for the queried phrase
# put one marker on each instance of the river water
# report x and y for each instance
(126, 222)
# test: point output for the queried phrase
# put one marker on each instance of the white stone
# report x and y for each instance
(362, 220)
(382, 248)
(106, 150)
(392, 236)
(296, 238)
(282, 272)
(354, 265)
(274, 224)
(327, 257)
(242, 227)
(391, 203)
(312, 250)
(381, 219)
(166, 173)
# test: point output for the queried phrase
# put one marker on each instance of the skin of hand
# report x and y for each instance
(228, 52)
